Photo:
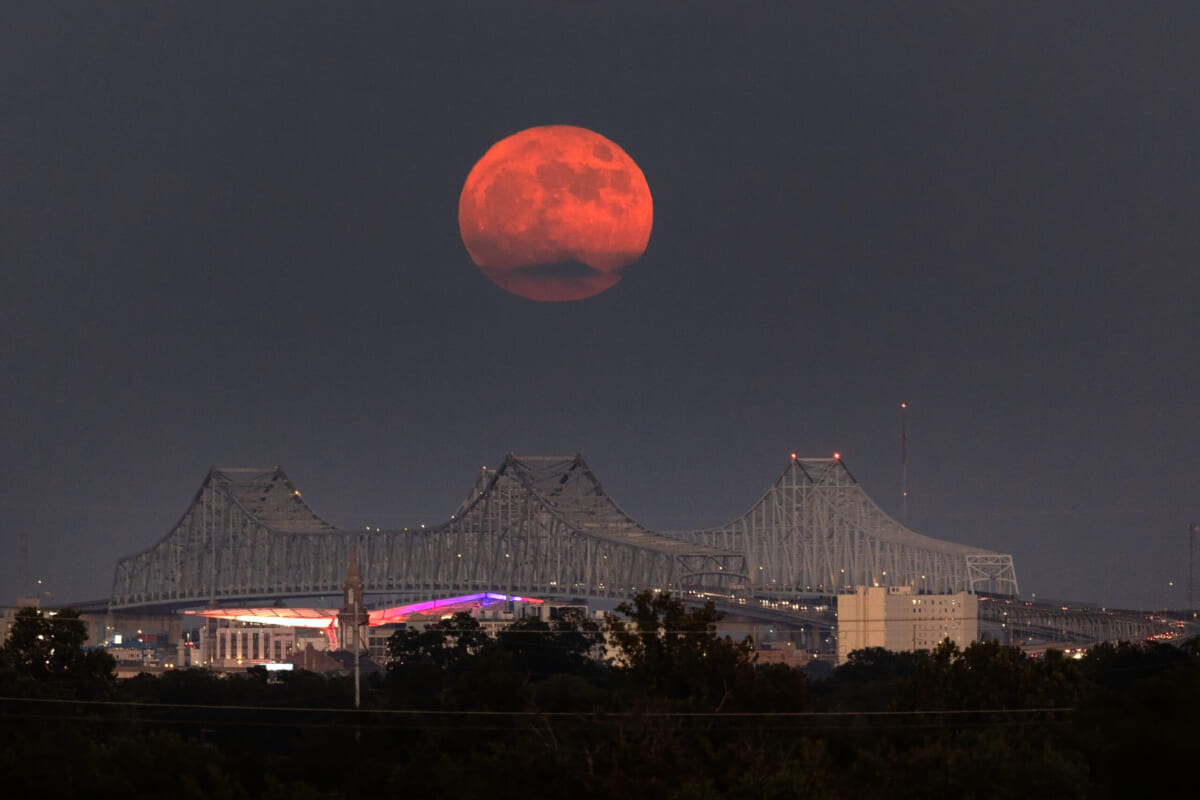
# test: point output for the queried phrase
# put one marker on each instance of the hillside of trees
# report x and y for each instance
(678, 713)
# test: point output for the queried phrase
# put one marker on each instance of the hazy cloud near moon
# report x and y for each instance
(565, 270)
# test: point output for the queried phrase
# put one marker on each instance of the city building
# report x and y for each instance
(897, 618)
(244, 644)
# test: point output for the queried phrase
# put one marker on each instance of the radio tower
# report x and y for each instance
(904, 464)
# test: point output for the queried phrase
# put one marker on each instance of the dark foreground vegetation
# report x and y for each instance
(682, 714)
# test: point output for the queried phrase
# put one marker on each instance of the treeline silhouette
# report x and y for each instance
(672, 711)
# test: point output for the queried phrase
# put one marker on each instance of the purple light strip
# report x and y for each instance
(383, 616)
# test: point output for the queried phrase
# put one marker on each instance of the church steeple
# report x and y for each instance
(354, 584)
(353, 620)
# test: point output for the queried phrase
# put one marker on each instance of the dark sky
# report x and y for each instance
(228, 236)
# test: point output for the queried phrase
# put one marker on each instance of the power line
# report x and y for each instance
(470, 713)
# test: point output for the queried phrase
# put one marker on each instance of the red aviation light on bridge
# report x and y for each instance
(793, 456)
(837, 456)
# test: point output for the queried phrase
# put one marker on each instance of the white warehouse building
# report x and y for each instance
(897, 618)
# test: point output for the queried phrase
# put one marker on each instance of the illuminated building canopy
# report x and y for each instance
(327, 617)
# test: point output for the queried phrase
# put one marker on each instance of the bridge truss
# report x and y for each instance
(817, 531)
(540, 526)
(544, 526)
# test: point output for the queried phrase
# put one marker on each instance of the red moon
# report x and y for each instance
(555, 213)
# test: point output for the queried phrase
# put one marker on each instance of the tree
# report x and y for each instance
(562, 645)
(447, 643)
(1119, 666)
(677, 653)
(873, 664)
(50, 647)
(989, 675)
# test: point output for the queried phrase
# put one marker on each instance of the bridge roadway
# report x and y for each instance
(1040, 623)
(1020, 623)
(1016, 622)
(1023, 623)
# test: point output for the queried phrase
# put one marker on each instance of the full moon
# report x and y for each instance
(555, 213)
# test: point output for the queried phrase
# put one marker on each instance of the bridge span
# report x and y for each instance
(544, 526)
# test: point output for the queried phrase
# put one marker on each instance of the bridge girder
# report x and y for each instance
(544, 526)
(816, 531)
(538, 526)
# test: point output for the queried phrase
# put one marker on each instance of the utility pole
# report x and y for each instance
(353, 615)
(357, 655)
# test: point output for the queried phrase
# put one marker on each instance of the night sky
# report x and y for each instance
(229, 236)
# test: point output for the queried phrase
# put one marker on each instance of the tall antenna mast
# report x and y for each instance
(904, 464)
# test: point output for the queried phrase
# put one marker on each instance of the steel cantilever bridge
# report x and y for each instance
(543, 526)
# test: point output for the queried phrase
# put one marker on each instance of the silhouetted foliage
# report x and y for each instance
(676, 653)
(48, 648)
(563, 645)
(446, 644)
(684, 714)
(989, 675)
